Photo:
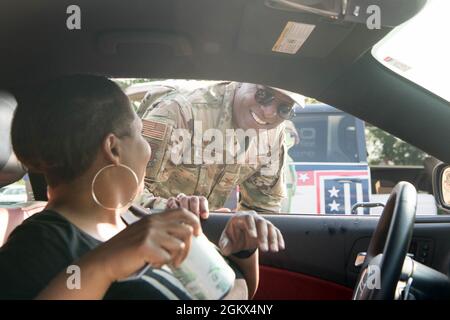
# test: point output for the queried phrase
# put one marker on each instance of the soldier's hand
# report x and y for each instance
(248, 230)
(196, 204)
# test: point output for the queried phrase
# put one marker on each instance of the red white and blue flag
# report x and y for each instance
(330, 188)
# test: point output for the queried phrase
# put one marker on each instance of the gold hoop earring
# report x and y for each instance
(114, 187)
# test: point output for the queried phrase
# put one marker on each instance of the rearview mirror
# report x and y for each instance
(441, 185)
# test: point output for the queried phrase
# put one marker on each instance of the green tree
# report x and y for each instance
(384, 148)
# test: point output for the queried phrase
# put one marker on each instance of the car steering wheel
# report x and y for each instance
(388, 246)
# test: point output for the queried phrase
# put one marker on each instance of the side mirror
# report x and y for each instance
(441, 186)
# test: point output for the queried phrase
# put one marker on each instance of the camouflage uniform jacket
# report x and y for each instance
(211, 107)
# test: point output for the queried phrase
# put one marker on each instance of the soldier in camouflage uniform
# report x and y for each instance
(220, 106)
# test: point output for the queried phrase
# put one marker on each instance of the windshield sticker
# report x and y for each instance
(293, 37)
(397, 64)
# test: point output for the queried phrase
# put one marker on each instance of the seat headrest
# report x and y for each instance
(11, 169)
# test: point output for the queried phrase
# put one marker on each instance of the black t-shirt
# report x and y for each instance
(47, 243)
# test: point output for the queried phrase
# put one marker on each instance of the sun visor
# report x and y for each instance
(265, 31)
(391, 12)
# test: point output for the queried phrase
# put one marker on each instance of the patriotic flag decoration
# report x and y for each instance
(331, 188)
(305, 178)
(153, 129)
(154, 132)
(340, 194)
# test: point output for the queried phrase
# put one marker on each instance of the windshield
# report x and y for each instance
(419, 49)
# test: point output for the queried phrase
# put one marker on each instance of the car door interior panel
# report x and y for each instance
(319, 260)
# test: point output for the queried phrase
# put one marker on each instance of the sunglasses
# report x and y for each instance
(265, 97)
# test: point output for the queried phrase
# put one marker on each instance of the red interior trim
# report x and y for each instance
(276, 284)
(13, 216)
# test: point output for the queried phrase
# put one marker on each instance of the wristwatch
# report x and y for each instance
(244, 254)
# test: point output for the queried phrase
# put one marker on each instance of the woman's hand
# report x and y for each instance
(248, 230)
(196, 204)
(158, 239)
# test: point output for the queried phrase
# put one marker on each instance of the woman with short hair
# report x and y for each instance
(82, 134)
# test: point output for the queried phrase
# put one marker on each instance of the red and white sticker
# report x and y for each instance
(397, 64)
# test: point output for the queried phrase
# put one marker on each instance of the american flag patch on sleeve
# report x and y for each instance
(153, 129)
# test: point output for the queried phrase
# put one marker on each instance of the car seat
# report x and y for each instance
(11, 170)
